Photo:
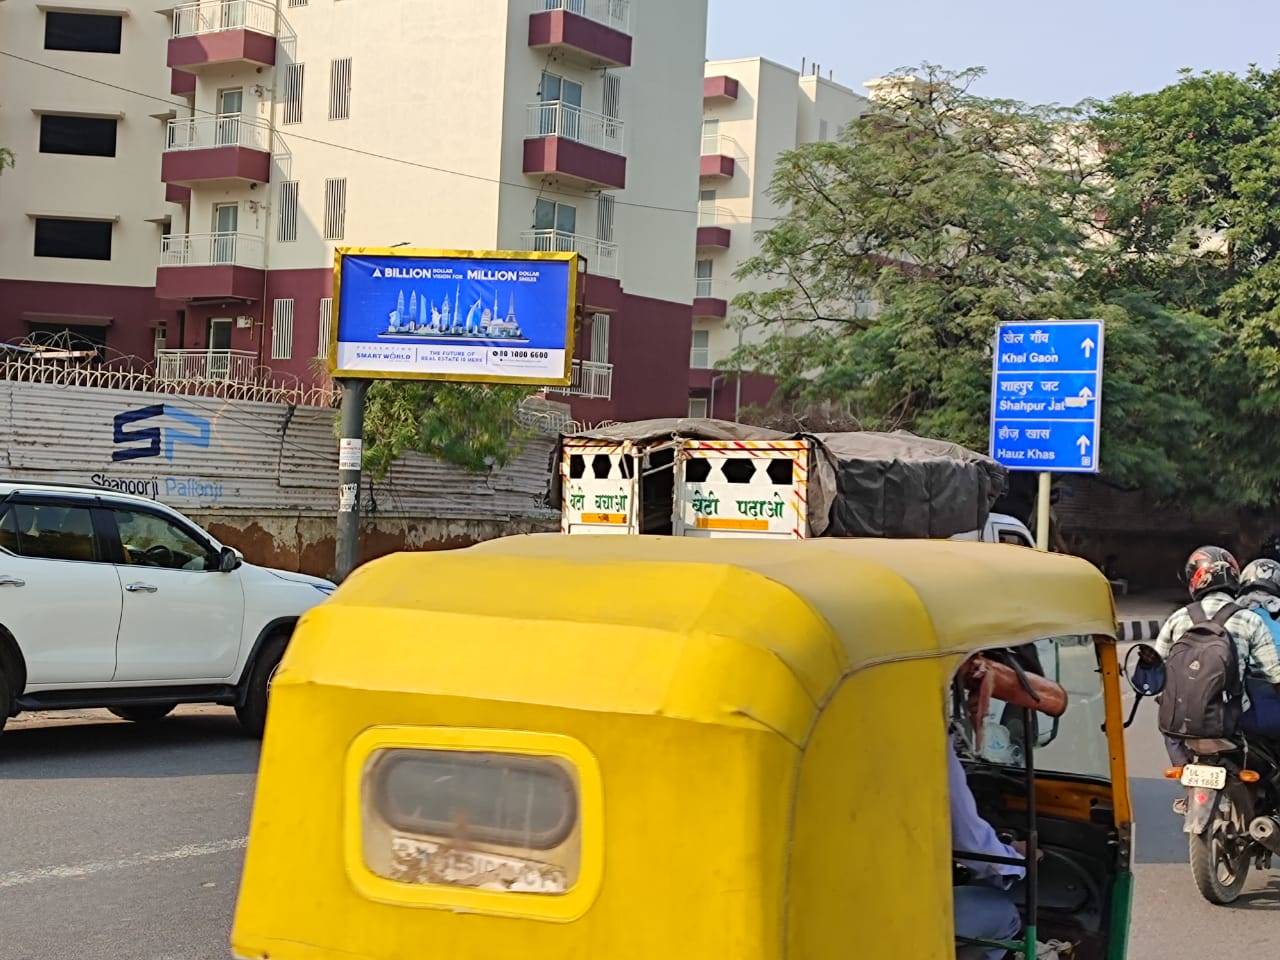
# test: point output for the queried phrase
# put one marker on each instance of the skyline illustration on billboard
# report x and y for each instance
(494, 317)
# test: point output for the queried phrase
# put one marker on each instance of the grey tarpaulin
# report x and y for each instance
(860, 484)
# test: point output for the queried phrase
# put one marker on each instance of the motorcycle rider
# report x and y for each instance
(1212, 576)
(1260, 592)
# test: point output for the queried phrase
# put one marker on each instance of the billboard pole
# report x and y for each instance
(1042, 512)
(350, 459)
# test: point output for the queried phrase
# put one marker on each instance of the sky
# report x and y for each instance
(1040, 51)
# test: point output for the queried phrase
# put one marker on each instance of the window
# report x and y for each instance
(822, 130)
(340, 89)
(564, 119)
(50, 532)
(703, 275)
(150, 540)
(83, 32)
(697, 407)
(293, 77)
(335, 209)
(600, 338)
(282, 330)
(555, 88)
(700, 350)
(161, 340)
(73, 239)
(326, 327)
(287, 229)
(710, 137)
(612, 104)
(79, 136)
(706, 208)
(605, 207)
(560, 217)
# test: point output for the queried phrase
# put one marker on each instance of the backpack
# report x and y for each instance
(1204, 687)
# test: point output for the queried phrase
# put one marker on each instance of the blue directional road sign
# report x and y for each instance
(1046, 396)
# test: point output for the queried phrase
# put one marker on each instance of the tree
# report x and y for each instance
(6, 158)
(951, 213)
(1194, 176)
(475, 426)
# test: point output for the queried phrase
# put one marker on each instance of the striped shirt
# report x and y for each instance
(1255, 647)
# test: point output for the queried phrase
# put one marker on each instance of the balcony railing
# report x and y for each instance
(602, 256)
(211, 250)
(717, 144)
(708, 288)
(590, 379)
(712, 216)
(237, 366)
(224, 130)
(615, 14)
(214, 16)
(558, 119)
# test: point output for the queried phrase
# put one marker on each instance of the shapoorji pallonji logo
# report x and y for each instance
(148, 441)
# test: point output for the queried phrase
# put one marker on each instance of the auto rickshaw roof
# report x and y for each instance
(779, 621)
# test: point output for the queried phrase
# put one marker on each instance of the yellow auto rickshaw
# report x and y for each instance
(651, 747)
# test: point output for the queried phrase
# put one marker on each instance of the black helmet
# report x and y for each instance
(1262, 575)
(1209, 570)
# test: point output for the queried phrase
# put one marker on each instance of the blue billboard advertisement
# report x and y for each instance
(491, 317)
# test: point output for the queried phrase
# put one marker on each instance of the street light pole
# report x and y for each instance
(350, 461)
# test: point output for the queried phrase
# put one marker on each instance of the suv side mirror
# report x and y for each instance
(229, 559)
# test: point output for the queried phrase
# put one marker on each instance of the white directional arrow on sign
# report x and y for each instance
(1088, 346)
(1086, 393)
(1084, 445)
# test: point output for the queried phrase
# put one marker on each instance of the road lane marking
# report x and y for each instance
(19, 878)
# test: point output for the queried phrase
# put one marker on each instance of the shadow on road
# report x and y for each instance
(180, 746)
(1268, 898)
(1160, 836)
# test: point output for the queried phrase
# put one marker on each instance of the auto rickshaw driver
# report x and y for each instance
(986, 912)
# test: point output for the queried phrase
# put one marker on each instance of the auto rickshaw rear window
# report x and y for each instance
(492, 798)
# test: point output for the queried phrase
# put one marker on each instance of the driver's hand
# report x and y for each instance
(1021, 847)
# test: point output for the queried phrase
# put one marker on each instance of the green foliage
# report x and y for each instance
(951, 213)
(470, 425)
(6, 158)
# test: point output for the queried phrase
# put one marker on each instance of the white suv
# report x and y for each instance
(117, 601)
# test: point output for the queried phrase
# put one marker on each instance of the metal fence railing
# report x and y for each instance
(556, 118)
(602, 256)
(214, 16)
(591, 380)
(223, 130)
(183, 365)
(615, 14)
(211, 250)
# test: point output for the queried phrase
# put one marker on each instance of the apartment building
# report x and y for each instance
(83, 211)
(300, 125)
(754, 110)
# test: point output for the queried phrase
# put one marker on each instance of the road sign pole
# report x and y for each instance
(1042, 512)
(350, 457)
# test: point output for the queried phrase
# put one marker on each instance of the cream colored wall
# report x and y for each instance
(126, 186)
(776, 111)
(654, 217)
(417, 97)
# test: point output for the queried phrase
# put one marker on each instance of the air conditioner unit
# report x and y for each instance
(244, 323)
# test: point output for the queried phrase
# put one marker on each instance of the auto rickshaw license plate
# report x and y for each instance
(1198, 775)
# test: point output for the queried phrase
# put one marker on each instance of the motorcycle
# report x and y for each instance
(1231, 810)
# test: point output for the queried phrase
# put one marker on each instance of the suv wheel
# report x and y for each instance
(6, 699)
(252, 712)
(144, 713)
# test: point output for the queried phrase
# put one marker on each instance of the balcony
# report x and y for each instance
(591, 380)
(203, 366)
(709, 301)
(713, 227)
(595, 34)
(601, 255)
(581, 147)
(719, 90)
(210, 266)
(720, 156)
(227, 147)
(223, 32)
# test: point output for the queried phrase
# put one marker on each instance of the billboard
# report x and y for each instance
(480, 316)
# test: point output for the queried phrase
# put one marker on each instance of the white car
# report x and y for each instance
(116, 601)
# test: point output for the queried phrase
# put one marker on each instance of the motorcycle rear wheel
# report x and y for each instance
(1220, 858)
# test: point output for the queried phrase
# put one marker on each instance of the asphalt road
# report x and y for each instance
(120, 842)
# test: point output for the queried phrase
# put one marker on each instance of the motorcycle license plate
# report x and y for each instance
(1198, 775)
